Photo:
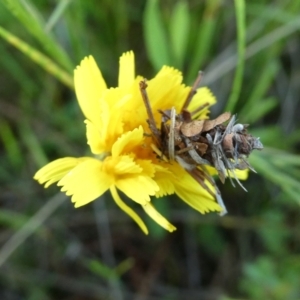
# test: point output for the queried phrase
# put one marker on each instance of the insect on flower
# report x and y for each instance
(198, 144)
(176, 157)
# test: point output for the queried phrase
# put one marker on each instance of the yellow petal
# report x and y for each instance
(115, 98)
(191, 192)
(137, 188)
(94, 138)
(165, 91)
(203, 202)
(89, 86)
(56, 170)
(147, 166)
(127, 209)
(102, 135)
(203, 96)
(170, 73)
(112, 105)
(164, 178)
(132, 177)
(124, 165)
(134, 113)
(86, 182)
(240, 174)
(126, 70)
(128, 141)
(157, 217)
(211, 170)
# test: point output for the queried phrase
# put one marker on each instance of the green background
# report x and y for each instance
(250, 53)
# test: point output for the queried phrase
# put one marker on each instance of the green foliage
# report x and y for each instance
(269, 278)
(179, 29)
(282, 168)
(29, 16)
(241, 41)
(157, 44)
(103, 271)
(249, 52)
(37, 57)
(211, 240)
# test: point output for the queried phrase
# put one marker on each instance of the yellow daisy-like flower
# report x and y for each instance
(118, 136)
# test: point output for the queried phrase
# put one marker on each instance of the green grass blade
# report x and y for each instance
(283, 174)
(274, 36)
(57, 14)
(256, 112)
(271, 136)
(203, 40)
(202, 46)
(254, 103)
(99, 268)
(32, 225)
(241, 39)
(28, 15)
(47, 64)
(16, 70)
(11, 145)
(33, 145)
(266, 41)
(179, 29)
(155, 36)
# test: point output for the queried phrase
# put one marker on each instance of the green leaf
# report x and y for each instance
(11, 144)
(280, 168)
(124, 266)
(179, 29)
(255, 103)
(157, 45)
(211, 240)
(46, 63)
(256, 112)
(275, 236)
(30, 18)
(98, 268)
(17, 71)
(33, 145)
(270, 135)
(57, 14)
(204, 39)
(240, 14)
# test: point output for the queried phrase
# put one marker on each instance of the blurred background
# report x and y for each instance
(251, 58)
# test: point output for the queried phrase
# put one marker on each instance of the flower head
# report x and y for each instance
(119, 138)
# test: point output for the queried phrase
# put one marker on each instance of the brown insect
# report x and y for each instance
(195, 144)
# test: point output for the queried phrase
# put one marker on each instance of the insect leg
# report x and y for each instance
(216, 157)
(228, 129)
(188, 167)
(194, 155)
(151, 121)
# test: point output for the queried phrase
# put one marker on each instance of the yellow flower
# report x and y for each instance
(118, 136)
